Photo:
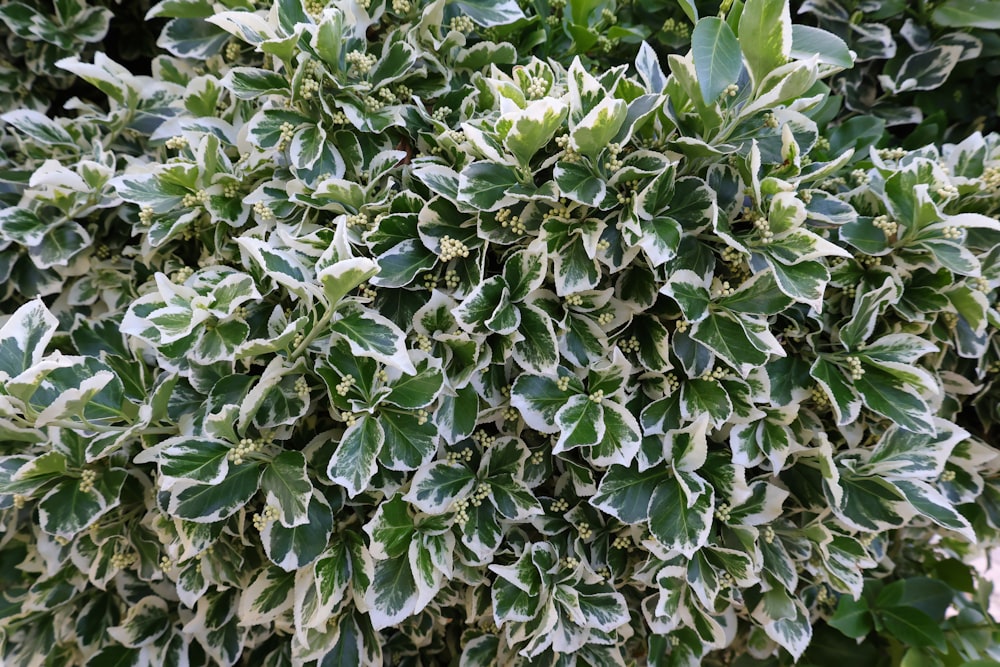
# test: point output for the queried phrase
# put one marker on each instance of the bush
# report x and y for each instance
(918, 64)
(353, 334)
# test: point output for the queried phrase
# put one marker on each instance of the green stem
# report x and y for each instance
(313, 333)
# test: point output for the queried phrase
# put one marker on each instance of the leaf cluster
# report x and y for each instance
(355, 334)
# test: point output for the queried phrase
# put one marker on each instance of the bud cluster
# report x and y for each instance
(855, 367)
(270, 514)
(509, 221)
(452, 249)
(87, 479)
(362, 62)
(888, 226)
(243, 449)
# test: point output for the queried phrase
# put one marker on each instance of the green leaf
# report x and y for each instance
(867, 309)
(328, 39)
(680, 513)
(372, 335)
(852, 617)
(622, 437)
(523, 575)
(831, 49)
(578, 183)
(575, 267)
(248, 83)
(727, 337)
(580, 422)
(418, 390)
(658, 195)
(68, 508)
(594, 131)
(399, 265)
(23, 338)
(705, 397)
(765, 36)
(409, 443)
(538, 350)
(188, 9)
(208, 503)
(506, 317)
(894, 399)
(647, 64)
(512, 498)
(292, 548)
(397, 59)
(192, 38)
(456, 415)
(952, 256)
(275, 400)
(199, 459)
(932, 504)
(484, 185)
(333, 572)
(660, 239)
(764, 439)
(924, 70)
(391, 529)
(903, 454)
(912, 626)
(625, 492)
(269, 594)
(436, 486)
(539, 398)
(757, 296)
(533, 127)
(39, 127)
(968, 14)
(22, 225)
(804, 282)
(800, 245)
(59, 245)
(480, 305)
(354, 463)
(287, 487)
(909, 204)
(146, 622)
(690, 292)
(28, 473)
(307, 146)
(524, 272)
(792, 633)
(605, 610)
(265, 128)
(392, 595)
(280, 265)
(109, 77)
(115, 655)
(931, 596)
(487, 13)
(845, 400)
(356, 644)
(869, 504)
(440, 179)
(717, 58)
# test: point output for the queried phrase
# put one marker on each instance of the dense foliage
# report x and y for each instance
(353, 333)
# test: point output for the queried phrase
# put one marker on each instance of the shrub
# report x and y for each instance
(41, 33)
(918, 63)
(355, 335)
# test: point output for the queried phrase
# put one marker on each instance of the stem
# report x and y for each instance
(313, 333)
(97, 428)
(160, 430)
